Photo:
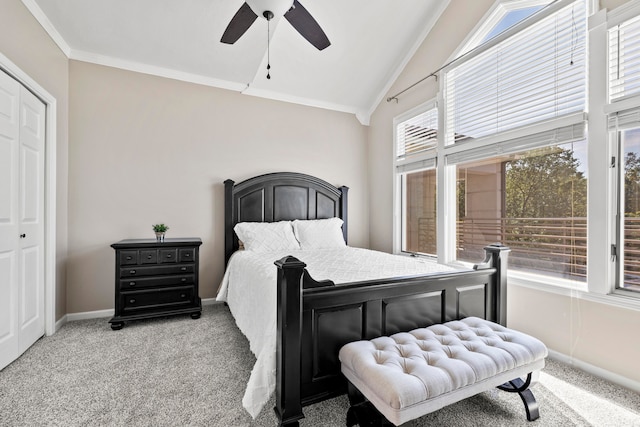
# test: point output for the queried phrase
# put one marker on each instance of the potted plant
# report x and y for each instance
(160, 229)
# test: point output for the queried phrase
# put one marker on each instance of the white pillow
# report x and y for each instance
(267, 236)
(319, 233)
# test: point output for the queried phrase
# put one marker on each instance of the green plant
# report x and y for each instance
(160, 228)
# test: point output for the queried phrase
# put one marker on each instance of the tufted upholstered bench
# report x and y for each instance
(408, 375)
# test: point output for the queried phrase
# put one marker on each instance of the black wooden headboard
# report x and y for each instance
(280, 196)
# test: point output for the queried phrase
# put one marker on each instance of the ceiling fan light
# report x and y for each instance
(278, 7)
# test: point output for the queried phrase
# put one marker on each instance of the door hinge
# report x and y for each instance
(613, 162)
(614, 252)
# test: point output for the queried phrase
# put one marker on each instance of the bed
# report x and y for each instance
(296, 319)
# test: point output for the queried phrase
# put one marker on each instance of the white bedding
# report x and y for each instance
(249, 288)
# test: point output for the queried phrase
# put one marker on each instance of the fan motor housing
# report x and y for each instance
(277, 7)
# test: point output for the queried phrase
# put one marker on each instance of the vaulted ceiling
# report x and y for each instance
(371, 41)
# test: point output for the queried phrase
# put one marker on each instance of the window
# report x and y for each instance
(516, 106)
(510, 18)
(624, 124)
(512, 155)
(630, 206)
(420, 213)
(536, 74)
(624, 61)
(417, 134)
(535, 202)
(416, 140)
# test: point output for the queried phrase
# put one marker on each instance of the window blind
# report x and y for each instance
(624, 59)
(417, 165)
(534, 75)
(417, 134)
(562, 135)
(622, 120)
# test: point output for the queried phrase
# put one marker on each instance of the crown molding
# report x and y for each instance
(44, 22)
(303, 101)
(139, 67)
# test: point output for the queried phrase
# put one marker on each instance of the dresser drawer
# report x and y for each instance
(149, 256)
(186, 254)
(157, 299)
(157, 270)
(128, 257)
(149, 282)
(168, 255)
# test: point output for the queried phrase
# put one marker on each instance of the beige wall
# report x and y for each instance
(588, 331)
(146, 149)
(598, 334)
(29, 47)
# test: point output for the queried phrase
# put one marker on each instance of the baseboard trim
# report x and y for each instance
(89, 315)
(596, 371)
(60, 323)
(70, 317)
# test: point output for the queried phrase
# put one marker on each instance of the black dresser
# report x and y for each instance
(156, 279)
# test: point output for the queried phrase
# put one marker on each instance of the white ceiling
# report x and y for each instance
(371, 41)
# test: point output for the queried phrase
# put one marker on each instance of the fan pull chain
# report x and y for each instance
(268, 53)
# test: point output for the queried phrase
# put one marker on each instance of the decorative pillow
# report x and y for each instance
(319, 233)
(267, 236)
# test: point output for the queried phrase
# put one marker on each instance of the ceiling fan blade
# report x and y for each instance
(239, 24)
(308, 27)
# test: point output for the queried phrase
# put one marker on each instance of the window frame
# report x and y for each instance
(613, 107)
(451, 150)
(399, 176)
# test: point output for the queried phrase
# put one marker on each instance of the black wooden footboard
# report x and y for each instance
(315, 319)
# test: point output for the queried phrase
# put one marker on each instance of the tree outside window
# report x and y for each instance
(535, 202)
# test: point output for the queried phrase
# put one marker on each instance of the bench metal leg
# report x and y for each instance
(522, 388)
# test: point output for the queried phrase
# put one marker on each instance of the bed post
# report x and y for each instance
(228, 219)
(289, 346)
(496, 257)
(343, 210)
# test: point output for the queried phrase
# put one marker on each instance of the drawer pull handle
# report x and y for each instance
(132, 272)
(187, 255)
(148, 256)
(168, 255)
(128, 258)
(131, 301)
(183, 269)
(132, 283)
(183, 280)
(183, 296)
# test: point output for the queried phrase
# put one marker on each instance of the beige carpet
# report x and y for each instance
(182, 372)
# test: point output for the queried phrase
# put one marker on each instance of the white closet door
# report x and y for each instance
(22, 137)
(9, 222)
(31, 215)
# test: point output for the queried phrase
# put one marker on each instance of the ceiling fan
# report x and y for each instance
(293, 11)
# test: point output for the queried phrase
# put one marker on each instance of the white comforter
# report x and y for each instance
(249, 288)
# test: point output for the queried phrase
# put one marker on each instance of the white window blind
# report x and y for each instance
(624, 59)
(415, 166)
(562, 135)
(536, 74)
(417, 134)
(623, 120)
